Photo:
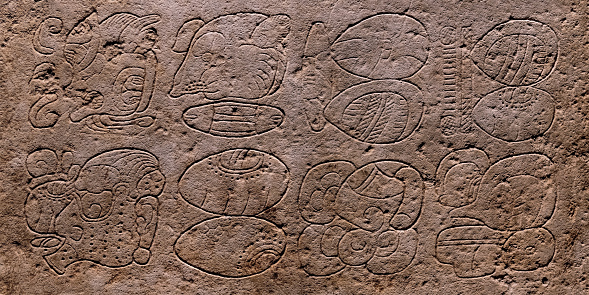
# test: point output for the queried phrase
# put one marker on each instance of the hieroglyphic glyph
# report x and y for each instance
(500, 211)
(518, 54)
(359, 217)
(104, 211)
(100, 73)
(232, 58)
(381, 49)
(327, 147)
(238, 185)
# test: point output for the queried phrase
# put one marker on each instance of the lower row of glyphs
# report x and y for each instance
(106, 209)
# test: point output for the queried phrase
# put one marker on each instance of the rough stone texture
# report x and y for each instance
(294, 147)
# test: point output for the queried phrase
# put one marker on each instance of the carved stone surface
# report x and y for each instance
(294, 147)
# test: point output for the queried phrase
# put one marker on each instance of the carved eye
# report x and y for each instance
(96, 206)
(56, 188)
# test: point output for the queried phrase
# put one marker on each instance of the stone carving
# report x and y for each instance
(233, 57)
(210, 246)
(227, 48)
(515, 113)
(518, 54)
(360, 216)
(379, 52)
(105, 211)
(459, 175)
(102, 72)
(233, 119)
(457, 98)
(450, 118)
(377, 111)
(238, 184)
(383, 46)
(500, 212)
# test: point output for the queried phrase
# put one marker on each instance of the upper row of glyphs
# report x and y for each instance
(101, 73)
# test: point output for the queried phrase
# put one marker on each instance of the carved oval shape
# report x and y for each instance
(233, 119)
(385, 46)
(232, 246)
(517, 52)
(384, 111)
(235, 182)
(515, 113)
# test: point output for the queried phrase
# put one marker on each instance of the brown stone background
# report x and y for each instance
(176, 146)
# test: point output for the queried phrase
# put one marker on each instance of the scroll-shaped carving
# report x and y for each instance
(384, 192)
(45, 86)
(327, 249)
(105, 211)
(374, 54)
(239, 184)
(360, 216)
(500, 215)
(210, 246)
(111, 73)
(47, 31)
(319, 189)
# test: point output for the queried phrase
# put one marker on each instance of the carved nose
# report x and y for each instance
(175, 92)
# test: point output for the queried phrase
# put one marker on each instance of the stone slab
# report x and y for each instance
(294, 147)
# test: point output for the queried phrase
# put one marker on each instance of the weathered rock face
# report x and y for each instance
(294, 147)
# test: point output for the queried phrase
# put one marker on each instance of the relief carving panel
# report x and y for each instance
(294, 147)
